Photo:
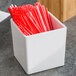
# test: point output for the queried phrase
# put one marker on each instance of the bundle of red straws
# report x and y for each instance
(31, 19)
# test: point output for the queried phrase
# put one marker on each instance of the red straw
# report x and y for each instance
(31, 19)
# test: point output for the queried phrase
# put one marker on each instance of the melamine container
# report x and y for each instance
(41, 51)
(4, 23)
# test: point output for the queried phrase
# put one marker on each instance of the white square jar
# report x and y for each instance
(41, 51)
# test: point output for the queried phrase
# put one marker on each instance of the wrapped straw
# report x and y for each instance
(31, 19)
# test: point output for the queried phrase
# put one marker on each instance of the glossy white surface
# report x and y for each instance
(41, 51)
